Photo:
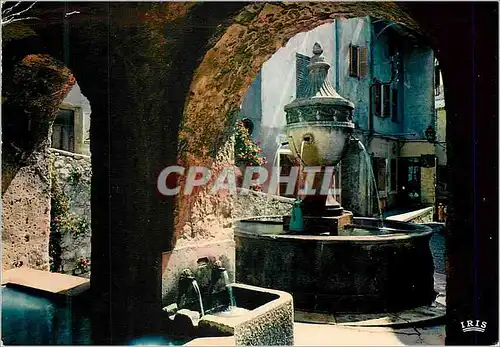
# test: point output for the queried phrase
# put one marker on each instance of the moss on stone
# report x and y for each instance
(16, 31)
(245, 16)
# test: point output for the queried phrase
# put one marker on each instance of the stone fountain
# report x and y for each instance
(318, 126)
(327, 259)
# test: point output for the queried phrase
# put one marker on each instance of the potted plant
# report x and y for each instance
(247, 152)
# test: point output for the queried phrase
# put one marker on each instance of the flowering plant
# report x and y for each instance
(247, 152)
(82, 266)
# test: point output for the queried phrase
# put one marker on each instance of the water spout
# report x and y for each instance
(372, 175)
(186, 282)
(301, 167)
(274, 167)
(232, 300)
(220, 272)
(197, 290)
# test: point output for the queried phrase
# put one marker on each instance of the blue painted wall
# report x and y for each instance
(251, 107)
(354, 31)
(419, 90)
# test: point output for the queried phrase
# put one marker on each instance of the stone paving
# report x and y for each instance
(341, 335)
(307, 334)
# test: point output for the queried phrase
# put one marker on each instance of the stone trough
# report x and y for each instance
(261, 317)
(364, 269)
(265, 318)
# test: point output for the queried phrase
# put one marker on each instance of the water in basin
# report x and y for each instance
(367, 232)
(29, 318)
(231, 312)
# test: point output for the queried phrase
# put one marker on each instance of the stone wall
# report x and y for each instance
(250, 203)
(357, 191)
(70, 226)
(26, 217)
(206, 234)
(428, 185)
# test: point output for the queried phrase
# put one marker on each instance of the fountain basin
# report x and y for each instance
(326, 141)
(262, 317)
(365, 269)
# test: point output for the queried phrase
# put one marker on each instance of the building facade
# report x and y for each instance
(442, 171)
(71, 128)
(388, 73)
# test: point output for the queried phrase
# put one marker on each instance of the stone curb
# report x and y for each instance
(420, 315)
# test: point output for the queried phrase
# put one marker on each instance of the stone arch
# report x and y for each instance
(228, 68)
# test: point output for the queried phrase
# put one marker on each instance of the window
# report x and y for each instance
(358, 61)
(248, 124)
(437, 79)
(301, 62)
(63, 130)
(414, 170)
(385, 101)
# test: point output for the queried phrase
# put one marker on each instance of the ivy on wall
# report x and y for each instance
(63, 221)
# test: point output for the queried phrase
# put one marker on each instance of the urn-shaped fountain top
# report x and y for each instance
(319, 90)
(319, 122)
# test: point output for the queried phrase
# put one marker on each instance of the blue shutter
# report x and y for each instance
(301, 62)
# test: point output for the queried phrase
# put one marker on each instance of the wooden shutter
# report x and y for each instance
(301, 62)
(363, 61)
(377, 104)
(353, 61)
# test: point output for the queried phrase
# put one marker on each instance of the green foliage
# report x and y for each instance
(62, 221)
(75, 175)
(59, 207)
(247, 152)
(71, 223)
(16, 31)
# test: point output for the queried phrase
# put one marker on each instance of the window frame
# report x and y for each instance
(383, 105)
(353, 68)
(437, 79)
(77, 138)
(360, 67)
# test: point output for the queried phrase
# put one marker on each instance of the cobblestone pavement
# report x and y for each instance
(437, 245)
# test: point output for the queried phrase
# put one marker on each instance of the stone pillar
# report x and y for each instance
(137, 85)
(35, 85)
(314, 204)
(356, 186)
(470, 68)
